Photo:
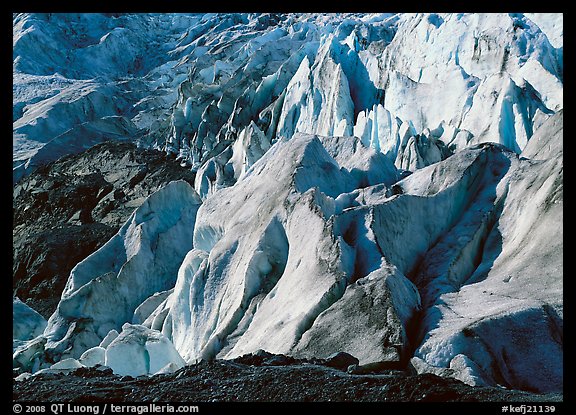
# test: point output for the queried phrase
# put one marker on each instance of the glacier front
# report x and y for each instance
(386, 185)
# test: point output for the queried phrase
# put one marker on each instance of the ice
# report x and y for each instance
(104, 290)
(61, 367)
(28, 324)
(29, 355)
(140, 351)
(112, 334)
(429, 202)
(174, 85)
(313, 279)
(420, 151)
(253, 251)
(351, 325)
(161, 353)
(461, 368)
(127, 356)
(388, 185)
(549, 88)
(22, 376)
(76, 69)
(228, 254)
(94, 356)
(507, 308)
(318, 98)
(335, 75)
(144, 310)
(546, 142)
(379, 129)
(66, 364)
(365, 164)
(248, 148)
(169, 368)
(552, 26)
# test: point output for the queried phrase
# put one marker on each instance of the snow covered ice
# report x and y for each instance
(386, 185)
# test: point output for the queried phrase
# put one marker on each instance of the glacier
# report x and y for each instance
(189, 85)
(28, 324)
(386, 185)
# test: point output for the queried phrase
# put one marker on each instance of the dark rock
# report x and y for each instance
(261, 353)
(341, 360)
(119, 194)
(43, 260)
(86, 216)
(254, 359)
(138, 177)
(225, 381)
(64, 211)
(376, 367)
(397, 190)
(105, 370)
(92, 372)
(104, 190)
(279, 360)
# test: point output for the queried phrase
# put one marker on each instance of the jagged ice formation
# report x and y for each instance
(388, 185)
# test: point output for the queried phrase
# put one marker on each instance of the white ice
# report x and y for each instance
(352, 172)
(140, 351)
(105, 289)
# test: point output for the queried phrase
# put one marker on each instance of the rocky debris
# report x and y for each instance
(69, 208)
(340, 360)
(264, 358)
(231, 381)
